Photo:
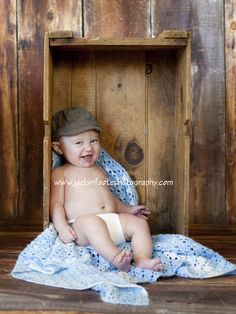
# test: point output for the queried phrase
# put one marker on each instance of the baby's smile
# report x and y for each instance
(88, 158)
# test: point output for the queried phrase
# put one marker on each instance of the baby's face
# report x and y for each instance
(81, 150)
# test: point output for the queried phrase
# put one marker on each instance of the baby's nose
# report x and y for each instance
(88, 146)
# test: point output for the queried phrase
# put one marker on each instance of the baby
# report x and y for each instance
(90, 214)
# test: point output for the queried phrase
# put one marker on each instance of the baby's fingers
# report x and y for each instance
(143, 208)
(144, 217)
(73, 233)
(66, 240)
(146, 211)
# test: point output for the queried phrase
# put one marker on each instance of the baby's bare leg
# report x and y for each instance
(92, 230)
(137, 230)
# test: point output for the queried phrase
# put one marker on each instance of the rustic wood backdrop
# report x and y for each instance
(213, 150)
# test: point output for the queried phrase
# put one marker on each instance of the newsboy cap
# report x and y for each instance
(72, 121)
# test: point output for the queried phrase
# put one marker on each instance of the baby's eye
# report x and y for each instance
(78, 142)
(95, 140)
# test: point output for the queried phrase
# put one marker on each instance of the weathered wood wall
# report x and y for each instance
(213, 150)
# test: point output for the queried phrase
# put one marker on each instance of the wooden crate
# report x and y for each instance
(140, 92)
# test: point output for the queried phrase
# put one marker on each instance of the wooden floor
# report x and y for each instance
(173, 295)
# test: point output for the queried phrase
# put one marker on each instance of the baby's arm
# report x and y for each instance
(57, 212)
(140, 210)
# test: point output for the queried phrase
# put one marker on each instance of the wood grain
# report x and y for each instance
(172, 39)
(230, 61)
(62, 81)
(120, 106)
(160, 124)
(47, 104)
(84, 80)
(167, 295)
(48, 15)
(183, 122)
(134, 96)
(116, 18)
(21, 130)
(205, 20)
(101, 19)
(8, 111)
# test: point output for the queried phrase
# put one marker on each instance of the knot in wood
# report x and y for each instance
(50, 15)
(233, 25)
(133, 153)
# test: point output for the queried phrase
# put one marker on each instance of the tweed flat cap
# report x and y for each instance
(72, 121)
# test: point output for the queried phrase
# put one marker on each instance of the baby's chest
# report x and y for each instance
(88, 175)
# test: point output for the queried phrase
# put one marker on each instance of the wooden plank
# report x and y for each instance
(12, 243)
(73, 80)
(175, 295)
(49, 15)
(62, 81)
(161, 137)
(47, 80)
(19, 224)
(121, 19)
(172, 295)
(47, 104)
(61, 34)
(46, 173)
(120, 106)
(84, 80)
(217, 282)
(130, 43)
(207, 182)
(173, 34)
(230, 61)
(164, 298)
(8, 111)
(209, 229)
(180, 217)
(170, 15)
(205, 20)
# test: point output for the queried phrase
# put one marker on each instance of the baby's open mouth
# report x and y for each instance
(87, 158)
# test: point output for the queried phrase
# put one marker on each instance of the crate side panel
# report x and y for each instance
(183, 136)
(230, 55)
(160, 125)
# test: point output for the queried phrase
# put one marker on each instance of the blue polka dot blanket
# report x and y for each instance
(47, 260)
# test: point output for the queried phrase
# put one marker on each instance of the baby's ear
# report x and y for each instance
(57, 147)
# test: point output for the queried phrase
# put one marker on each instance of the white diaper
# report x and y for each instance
(112, 221)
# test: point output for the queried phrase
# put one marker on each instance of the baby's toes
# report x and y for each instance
(158, 266)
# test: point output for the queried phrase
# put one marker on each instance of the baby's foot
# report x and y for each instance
(149, 263)
(122, 261)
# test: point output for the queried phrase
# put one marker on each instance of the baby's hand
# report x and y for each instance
(67, 234)
(140, 211)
